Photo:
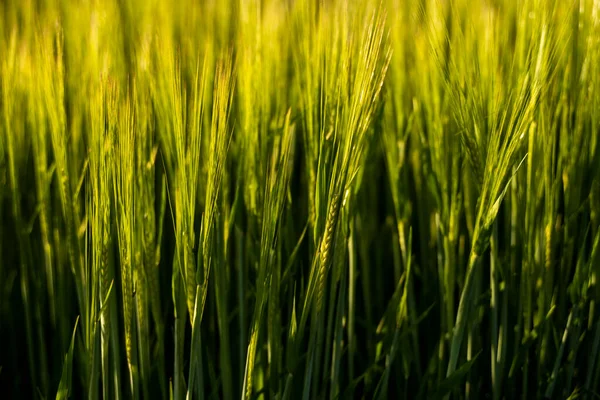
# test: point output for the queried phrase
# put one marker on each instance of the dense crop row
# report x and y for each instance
(299, 199)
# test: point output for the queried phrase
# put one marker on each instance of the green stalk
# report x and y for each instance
(494, 304)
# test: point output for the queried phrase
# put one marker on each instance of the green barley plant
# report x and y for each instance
(302, 199)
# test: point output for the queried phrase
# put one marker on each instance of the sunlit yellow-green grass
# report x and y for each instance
(299, 199)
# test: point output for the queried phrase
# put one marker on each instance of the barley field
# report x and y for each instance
(299, 199)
